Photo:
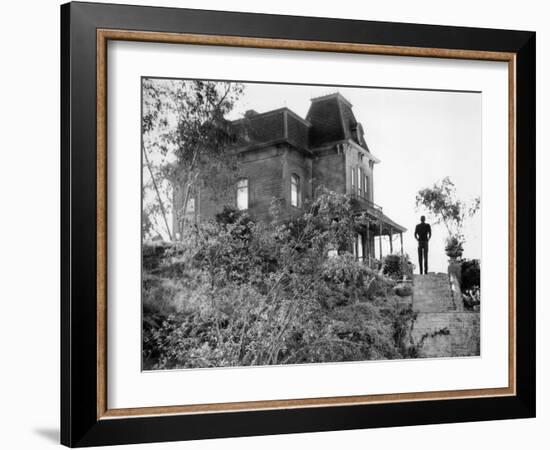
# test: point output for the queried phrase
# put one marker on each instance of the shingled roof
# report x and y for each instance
(271, 126)
(330, 118)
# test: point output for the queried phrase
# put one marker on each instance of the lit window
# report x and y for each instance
(242, 194)
(295, 190)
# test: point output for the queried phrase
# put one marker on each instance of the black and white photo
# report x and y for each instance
(292, 224)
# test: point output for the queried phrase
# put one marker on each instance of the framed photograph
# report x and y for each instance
(276, 224)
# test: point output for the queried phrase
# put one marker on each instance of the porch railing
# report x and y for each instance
(364, 202)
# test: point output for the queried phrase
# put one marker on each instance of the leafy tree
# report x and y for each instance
(443, 205)
(185, 144)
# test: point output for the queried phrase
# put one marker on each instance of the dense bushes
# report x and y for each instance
(470, 282)
(235, 292)
(397, 266)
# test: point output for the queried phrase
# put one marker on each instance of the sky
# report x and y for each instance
(420, 138)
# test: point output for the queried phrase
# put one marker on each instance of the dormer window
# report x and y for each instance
(242, 194)
(295, 199)
(359, 133)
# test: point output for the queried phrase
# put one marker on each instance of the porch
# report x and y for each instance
(375, 228)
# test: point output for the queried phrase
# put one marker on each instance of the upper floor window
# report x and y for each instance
(295, 190)
(242, 194)
(360, 181)
(190, 206)
(366, 186)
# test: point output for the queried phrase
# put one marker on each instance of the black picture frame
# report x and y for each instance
(80, 425)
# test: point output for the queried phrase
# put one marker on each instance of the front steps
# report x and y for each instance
(442, 328)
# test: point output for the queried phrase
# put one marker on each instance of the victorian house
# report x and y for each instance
(287, 157)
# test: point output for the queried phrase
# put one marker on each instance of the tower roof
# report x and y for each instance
(332, 119)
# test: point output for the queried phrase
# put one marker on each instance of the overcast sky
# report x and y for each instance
(419, 136)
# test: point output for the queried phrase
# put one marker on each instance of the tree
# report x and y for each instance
(443, 204)
(185, 144)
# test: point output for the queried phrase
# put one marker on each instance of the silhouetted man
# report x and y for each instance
(423, 233)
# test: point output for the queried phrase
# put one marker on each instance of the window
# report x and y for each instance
(295, 190)
(190, 206)
(353, 181)
(359, 246)
(366, 186)
(242, 194)
(360, 181)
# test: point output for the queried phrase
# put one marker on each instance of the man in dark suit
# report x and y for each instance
(423, 233)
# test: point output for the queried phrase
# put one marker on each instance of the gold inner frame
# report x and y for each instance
(104, 35)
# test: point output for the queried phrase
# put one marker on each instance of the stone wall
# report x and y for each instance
(446, 334)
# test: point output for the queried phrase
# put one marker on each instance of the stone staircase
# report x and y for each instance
(433, 293)
(442, 328)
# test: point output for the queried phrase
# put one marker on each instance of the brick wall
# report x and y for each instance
(268, 171)
(329, 171)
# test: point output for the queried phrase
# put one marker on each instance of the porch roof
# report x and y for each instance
(382, 224)
(379, 223)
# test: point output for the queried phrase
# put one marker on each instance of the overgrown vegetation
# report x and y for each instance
(470, 282)
(397, 266)
(237, 292)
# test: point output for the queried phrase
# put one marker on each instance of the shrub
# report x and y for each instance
(393, 267)
(235, 292)
(470, 282)
(397, 266)
(403, 290)
(470, 274)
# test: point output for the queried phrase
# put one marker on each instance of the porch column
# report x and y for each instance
(367, 247)
(401, 239)
(391, 240)
(380, 239)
